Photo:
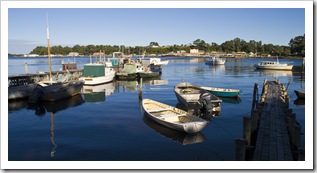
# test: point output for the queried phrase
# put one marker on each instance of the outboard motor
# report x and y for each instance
(205, 101)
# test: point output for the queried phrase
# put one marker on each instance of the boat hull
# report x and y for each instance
(300, 94)
(196, 124)
(274, 67)
(56, 91)
(189, 95)
(221, 92)
(98, 80)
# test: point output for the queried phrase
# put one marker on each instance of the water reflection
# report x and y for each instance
(217, 69)
(233, 100)
(299, 101)
(177, 136)
(274, 73)
(97, 93)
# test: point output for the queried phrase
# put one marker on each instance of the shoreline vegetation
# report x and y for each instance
(236, 48)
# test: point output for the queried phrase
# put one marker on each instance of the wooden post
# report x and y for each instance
(301, 154)
(247, 129)
(240, 149)
(254, 120)
(297, 135)
(26, 67)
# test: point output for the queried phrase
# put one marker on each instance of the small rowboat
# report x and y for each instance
(300, 94)
(223, 92)
(192, 95)
(172, 117)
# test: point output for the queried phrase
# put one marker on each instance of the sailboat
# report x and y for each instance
(53, 90)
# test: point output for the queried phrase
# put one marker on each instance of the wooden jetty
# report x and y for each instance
(271, 133)
(21, 85)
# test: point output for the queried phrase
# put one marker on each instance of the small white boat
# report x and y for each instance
(95, 74)
(215, 61)
(155, 61)
(273, 65)
(172, 117)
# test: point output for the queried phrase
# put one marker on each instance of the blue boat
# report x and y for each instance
(223, 92)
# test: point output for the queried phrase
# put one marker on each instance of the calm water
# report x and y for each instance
(110, 125)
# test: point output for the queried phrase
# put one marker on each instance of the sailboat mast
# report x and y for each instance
(48, 49)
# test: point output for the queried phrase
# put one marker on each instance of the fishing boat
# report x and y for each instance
(193, 96)
(69, 65)
(300, 94)
(172, 117)
(155, 61)
(223, 92)
(54, 90)
(215, 61)
(273, 65)
(95, 74)
(130, 71)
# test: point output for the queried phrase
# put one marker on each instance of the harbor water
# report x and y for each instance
(107, 122)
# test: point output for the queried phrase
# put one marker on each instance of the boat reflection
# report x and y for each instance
(217, 69)
(177, 136)
(299, 101)
(129, 86)
(16, 105)
(233, 100)
(42, 107)
(274, 73)
(97, 93)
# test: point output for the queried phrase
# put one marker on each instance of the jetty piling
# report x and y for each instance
(271, 132)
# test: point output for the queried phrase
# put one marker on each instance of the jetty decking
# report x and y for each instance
(271, 133)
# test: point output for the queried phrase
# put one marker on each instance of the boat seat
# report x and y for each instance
(159, 110)
(170, 117)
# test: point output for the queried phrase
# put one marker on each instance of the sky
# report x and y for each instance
(140, 26)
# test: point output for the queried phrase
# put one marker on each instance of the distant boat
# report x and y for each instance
(172, 117)
(273, 65)
(223, 92)
(155, 61)
(54, 90)
(192, 95)
(300, 94)
(95, 74)
(130, 71)
(215, 61)
(69, 65)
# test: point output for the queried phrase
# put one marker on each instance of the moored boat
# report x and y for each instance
(300, 94)
(54, 90)
(192, 95)
(95, 74)
(215, 61)
(50, 91)
(273, 65)
(223, 92)
(130, 71)
(172, 117)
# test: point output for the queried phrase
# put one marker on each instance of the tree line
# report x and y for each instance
(296, 47)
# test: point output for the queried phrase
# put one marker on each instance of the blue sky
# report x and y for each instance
(140, 26)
